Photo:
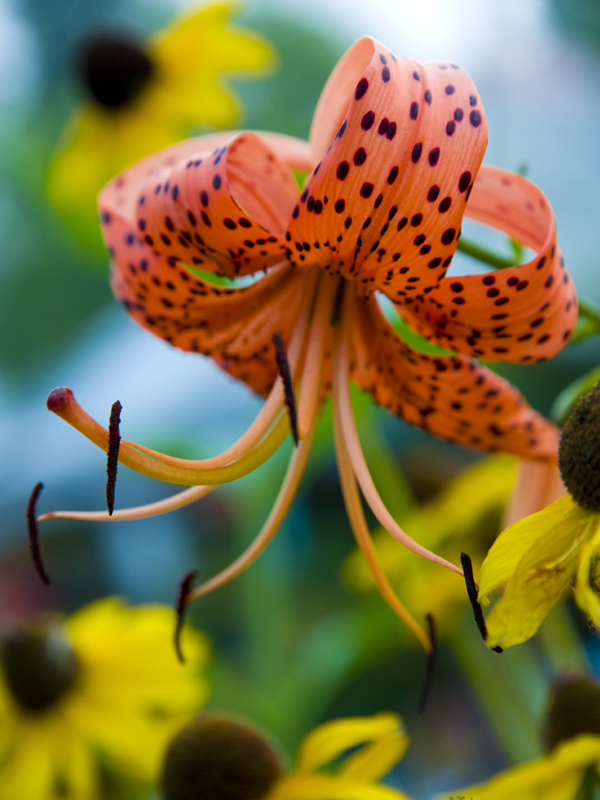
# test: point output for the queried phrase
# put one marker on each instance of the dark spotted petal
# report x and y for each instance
(452, 397)
(388, 196)
(227, 208)
(233, 326)
(523, 313)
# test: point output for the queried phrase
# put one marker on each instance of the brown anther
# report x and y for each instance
(429, 666)
(467, 566)
(34, 536)
(59, 399)
(112, 458)
(288, 388)
(185, 587)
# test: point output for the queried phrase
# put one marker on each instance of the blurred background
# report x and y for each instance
(536, 64)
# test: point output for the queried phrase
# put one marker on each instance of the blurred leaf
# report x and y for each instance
(566, 400)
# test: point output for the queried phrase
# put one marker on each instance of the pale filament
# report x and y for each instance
(311, 387)
(69, 409)
(269, 410)
(342, 409)
(172, 503)
(265, 536)
(363, 537)
(312, 374)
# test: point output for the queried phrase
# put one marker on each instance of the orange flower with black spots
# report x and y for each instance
(392, 165)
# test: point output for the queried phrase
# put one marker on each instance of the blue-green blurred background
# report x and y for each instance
(537, 67)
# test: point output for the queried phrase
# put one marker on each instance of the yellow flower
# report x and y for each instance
(456, 519)
(245, 766)
(557, 776)
(539, 556)
(569, 771)
(145, 98)
(102, 686)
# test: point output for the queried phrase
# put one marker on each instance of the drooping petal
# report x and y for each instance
(522, 313)
(512, 544)
(233, 326)
(541, 575)
(389, 194)
(224, 210)
(452, 397)
(329, 741)
(322, 786)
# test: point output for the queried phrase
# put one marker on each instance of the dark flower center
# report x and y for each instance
(38, 667)
(574, 708)
(113, 68)
(218, 758)
(579, 451)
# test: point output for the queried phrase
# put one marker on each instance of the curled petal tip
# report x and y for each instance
(59, 399)
(185, 587)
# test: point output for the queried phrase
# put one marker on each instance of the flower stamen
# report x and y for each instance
(34, 538)
(342, 409)
(288, 388)
(112, 460)
(360, 529)
(430, 666)
(472, 591)
(185, 587)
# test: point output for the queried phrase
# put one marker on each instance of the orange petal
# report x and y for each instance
(390, 192)
(224, 211)
(233, 326)
(522, 313)
(451, 397)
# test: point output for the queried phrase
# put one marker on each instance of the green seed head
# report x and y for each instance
(218, 758)
(579, 451)
(574, 708)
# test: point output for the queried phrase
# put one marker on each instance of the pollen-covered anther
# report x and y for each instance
(112, 457)
(183, 596)
(34, 536)
(579, 451)
(288, 387)
(217, 757)
(573, 709)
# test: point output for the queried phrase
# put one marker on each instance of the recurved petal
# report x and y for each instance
(389, 194)
(450, 396)
(522, 313)
(541, 575)
(232, 325)
(228, 207)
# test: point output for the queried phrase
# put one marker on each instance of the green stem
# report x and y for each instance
(589, 309)
(589, 785)
(480, 253)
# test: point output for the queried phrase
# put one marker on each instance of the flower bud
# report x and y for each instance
(579, 451)
(218, 758)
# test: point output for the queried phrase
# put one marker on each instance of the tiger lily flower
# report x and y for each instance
(393, 156)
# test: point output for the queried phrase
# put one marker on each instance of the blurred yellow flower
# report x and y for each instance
(560, 775)
(380, 741)
(143, 98)
(220, 757)
(100, 687)
(456, 519)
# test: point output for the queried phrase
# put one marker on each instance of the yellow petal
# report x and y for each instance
(325, 743)
(557, 776)
(331, 787)
(512, 544)
(587, 584)
(543, 572)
